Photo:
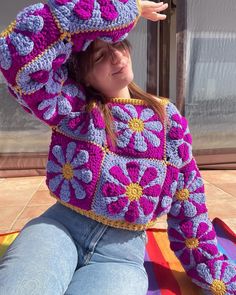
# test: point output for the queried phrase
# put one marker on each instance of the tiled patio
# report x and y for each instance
(22, 199)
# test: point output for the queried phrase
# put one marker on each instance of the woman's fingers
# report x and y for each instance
(155, 16)
(148, 5)
(151, 10)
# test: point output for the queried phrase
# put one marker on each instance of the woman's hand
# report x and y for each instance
(151, 10)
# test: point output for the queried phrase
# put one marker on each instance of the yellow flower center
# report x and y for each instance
(192, 243)
(134, 191)
(182, 195)
(67, 171)
(136, 125)
(218, 287)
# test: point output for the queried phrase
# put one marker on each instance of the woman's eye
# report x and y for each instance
(98, 58)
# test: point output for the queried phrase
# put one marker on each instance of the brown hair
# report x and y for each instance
(81, 63)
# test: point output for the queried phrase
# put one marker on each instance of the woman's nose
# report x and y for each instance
(116, 56)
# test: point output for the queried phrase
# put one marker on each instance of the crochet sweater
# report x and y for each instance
(150, 172)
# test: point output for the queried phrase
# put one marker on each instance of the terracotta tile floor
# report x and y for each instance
(22, 199)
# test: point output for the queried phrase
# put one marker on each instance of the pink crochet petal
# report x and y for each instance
(118, 174)
(75, 122)
(187, 229)
(202, 228)
(108, 10)
(184, 123)
(62, 2)
(185, 257)
(133, 171)
(176, 246)
(209, 248)
(149, 175)
(112, 190)
(209, 236)
(58, 61)
(175, 234)
(176, 118)
(147, 205)
(133, 213)
(183, 151)
(176, 133)
(84, 9)
(41, 76)
(152, 190)
(98, 119)
(188, 138)
(116, 207)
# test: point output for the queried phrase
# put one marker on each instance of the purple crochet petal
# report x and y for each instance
(183, 151)
(118, 174)
(153, 191)
(116, 207)
(112, 190)
(108, 10)
(133, 213)
(62, 2)
(185, 257)
(175, 234)
(84, 9)
(40, 76)
(133, 171)
(176, 246)
(208, 236)
(176, 118)
(147, 205)
(202, 228)
(209, 248)
(149, 175)
(176, 133)
(187, 229)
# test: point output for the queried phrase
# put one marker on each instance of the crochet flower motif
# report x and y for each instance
(133, 192)
(50, 75)
(216, 277)
(193, 241)
(178, 131)
(79, 122)
(59, 104)
(189, 199)
(69, 172)
(84, 8)
(135, 129)
(22, 43)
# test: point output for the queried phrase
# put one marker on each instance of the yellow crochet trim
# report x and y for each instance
(117, 224)
(8, 30)
(133, 101)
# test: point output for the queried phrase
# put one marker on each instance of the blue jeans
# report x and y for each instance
(63, 252)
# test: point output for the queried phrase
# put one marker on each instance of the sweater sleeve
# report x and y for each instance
(191, 233)
(34, 50)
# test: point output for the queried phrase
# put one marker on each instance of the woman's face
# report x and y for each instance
(112, 68)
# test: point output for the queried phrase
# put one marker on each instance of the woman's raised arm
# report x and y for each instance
(35, 47)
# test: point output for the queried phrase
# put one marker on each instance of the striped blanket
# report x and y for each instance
(166, 275)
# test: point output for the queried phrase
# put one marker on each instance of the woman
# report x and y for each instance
(119, 158)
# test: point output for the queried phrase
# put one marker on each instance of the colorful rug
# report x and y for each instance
(166, 275)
